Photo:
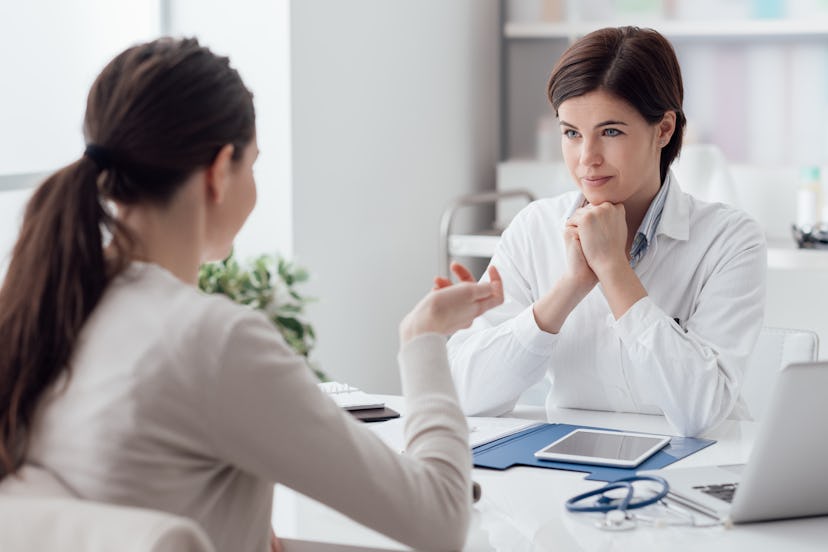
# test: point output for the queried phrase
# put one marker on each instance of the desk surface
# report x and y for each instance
(522, 508)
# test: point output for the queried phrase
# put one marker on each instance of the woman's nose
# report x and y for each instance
(591, 153)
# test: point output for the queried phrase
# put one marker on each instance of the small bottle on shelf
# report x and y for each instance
(808, 199)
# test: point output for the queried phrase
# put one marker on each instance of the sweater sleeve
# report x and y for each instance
(267, 416)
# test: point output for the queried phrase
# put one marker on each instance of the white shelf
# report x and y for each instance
(785, 255)
(472, 245)
(729, 29)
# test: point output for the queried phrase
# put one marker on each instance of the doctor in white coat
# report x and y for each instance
(628, 294)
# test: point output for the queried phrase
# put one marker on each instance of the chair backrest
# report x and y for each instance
(60, 523)
(37, 512)
(775, 349)
(703, 171)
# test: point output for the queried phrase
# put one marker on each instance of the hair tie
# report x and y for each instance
(99, 155)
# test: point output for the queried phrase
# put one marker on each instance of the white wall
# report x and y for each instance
(50, 53)
(256, 36)
(52, 50)
(395, 113)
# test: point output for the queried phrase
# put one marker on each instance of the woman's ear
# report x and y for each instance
(666, 128)
(218, 174)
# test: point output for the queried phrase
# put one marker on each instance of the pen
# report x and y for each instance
(689, 506)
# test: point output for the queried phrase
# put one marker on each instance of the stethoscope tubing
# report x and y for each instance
(626, 503)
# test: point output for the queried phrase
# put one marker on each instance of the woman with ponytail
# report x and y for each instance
(125, 384)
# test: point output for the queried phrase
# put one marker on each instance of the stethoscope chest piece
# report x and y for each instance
(616, 520)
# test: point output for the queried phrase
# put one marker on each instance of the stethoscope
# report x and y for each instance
(616, 509)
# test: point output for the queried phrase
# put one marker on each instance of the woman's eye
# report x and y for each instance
(569, 133)
(612, 132)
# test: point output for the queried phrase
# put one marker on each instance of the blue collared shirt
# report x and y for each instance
(646, 231)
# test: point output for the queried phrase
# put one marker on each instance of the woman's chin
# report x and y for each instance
(597, 198)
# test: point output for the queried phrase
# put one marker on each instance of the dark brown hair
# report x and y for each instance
(636, 65)
(157, 113)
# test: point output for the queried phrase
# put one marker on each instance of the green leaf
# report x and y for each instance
(256, 284)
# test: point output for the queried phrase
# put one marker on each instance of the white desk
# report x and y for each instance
(522, 508)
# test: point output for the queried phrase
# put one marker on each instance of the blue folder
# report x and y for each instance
(520, 448)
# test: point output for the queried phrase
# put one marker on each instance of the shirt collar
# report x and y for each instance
(647, 229)
(675, 217)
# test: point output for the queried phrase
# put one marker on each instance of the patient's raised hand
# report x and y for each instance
(451, 307)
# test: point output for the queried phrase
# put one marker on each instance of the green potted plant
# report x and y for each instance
(267, 283)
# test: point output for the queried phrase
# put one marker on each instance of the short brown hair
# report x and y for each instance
(636, 65)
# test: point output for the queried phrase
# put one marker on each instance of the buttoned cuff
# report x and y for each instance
(530, 336)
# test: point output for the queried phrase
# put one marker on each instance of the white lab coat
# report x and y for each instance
(705, 267)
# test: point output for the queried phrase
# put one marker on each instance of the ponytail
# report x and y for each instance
(56, 276)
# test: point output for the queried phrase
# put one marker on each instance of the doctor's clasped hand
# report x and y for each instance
(603, 237)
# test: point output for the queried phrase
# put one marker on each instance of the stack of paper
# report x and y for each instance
(482, 430)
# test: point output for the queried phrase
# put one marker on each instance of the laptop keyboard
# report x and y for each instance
(722, 492)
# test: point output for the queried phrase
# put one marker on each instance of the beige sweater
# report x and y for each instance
(189, 403)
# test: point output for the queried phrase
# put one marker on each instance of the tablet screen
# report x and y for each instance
(603, 447)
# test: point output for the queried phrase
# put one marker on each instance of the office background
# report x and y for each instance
(373, 115)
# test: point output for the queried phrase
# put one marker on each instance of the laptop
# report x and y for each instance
(786, 475)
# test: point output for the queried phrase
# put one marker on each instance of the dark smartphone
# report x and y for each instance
(375, 414)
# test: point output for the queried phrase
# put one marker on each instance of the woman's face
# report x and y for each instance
(238, 203)
(611, 151)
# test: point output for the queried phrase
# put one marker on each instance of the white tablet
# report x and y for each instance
(604, 448)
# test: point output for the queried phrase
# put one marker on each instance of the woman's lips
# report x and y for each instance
(595, 181)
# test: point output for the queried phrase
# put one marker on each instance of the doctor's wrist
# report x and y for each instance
(553, 308)
(578, 285)
(612, 269)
